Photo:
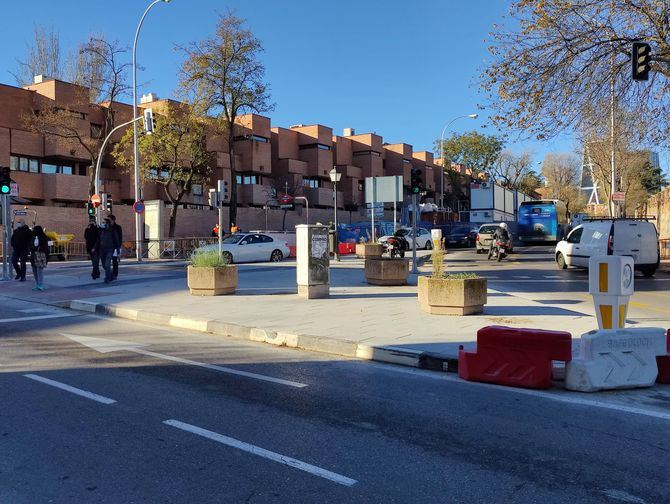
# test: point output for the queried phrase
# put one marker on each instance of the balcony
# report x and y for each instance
(319, 161)
(255, 156)
(30, 184)
(62, 187)
(253, 194)
(322, 197)
(372, 165)
(294, 166)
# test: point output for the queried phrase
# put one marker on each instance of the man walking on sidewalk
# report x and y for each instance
(21, 240)
(91, 238)
(107, 246)
(117, 256)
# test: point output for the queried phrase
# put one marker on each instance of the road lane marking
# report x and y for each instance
(566, 397)
(104, 345)
(37, 310)
(69, 388)
(552, 276)
(262, 452)
(37, 317)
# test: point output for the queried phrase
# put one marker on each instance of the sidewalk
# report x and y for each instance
(358, 320)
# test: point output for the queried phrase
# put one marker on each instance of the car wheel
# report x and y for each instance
(276, 256)
(648, 271)
(227, 257)
(560, 261)
(429, 245)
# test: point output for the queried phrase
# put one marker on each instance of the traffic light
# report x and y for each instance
(5, 181)
(416, 181)
(108, 203)
(223, 190)
(641, 60)
(90, 209)
(213, 198)
(148, 121)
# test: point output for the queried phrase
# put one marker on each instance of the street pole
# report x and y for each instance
(337, 245)
(306, 205)
(6, 198)
(414, 206)
(613, 207)
(442, 156)
(136, 150)
(220, 189)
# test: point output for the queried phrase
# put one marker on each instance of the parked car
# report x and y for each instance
(485, 235)
(459, 236)
(423, 240)
(251, 247)
(627, 237)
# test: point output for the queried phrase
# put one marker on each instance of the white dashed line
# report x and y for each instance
(73, 390)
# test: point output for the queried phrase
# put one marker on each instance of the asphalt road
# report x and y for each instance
(177, 417)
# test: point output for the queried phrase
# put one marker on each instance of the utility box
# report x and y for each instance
(312, 261)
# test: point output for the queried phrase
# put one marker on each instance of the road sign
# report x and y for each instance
(285, 202)
(138, 207)
(619, 196)
(96, 200)
(13, 189)
(20, 213)
(377, 208)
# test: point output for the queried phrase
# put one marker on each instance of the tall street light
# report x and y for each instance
(335, 177)
(470, 116)
(138, 217)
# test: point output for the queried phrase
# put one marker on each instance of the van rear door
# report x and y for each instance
(637, 239)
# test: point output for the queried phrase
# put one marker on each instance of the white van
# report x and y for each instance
(627, 237)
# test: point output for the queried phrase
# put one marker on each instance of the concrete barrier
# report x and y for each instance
(616, 359)
(663, 363)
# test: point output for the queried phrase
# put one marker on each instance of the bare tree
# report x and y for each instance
(100, 67)
(43, 57)
(515, 171)
(224, 75)
(554, 58)
(562, 173)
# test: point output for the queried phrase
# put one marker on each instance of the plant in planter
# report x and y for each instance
(365, 250)
(211, 275)
(459, 294)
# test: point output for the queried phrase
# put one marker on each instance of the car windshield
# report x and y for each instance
(232, 239)
(487, 229)
(402, 232)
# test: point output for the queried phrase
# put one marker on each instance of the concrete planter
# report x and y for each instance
(380, 271)
(445, 296)
(366, 250)
(212, 281)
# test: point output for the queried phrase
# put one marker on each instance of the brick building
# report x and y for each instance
(269, 160)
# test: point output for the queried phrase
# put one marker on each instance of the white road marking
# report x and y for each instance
(74, 390)
(104, 345)
(37, 310)
(562, 397)
(523, 277)
(37, 317)
(262, 452)
(552, 276)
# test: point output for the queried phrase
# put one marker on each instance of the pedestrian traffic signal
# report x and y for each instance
(90, 209)
(223, 190)
(5, 181)
(641, 60)
(416, 181)
(213, 198)
(148, 121)
(108, 203)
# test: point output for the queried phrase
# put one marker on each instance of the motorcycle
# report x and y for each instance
(395, 246)
(499, 250)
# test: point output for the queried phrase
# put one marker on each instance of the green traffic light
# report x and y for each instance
(5, 189)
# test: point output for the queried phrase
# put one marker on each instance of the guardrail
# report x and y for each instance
(173, 248)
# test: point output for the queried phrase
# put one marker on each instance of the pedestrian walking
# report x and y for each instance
(91, 238)
(107, 245)
(116, 257)
(39, 253)
(21, 238)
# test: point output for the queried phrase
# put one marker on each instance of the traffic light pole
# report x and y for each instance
(6, 219)
(414, 206)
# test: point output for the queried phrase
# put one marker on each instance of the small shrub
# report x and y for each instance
(461, 276)
(207, 259)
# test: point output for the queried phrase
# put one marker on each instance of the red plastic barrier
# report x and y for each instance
(515, 357)
(664, 364)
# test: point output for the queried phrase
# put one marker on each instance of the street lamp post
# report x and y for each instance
(470, 116)
(335, 177)
(138, 217)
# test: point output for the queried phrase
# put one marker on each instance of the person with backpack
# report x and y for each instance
(39, 255)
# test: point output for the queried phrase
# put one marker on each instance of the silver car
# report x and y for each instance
(251, 247)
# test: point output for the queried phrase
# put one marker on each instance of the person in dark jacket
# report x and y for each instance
(106, 246)
(21, 239)
(91, 238)
(39, 253)
(116, 257)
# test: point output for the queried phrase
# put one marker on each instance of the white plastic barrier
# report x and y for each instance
(616, 359)
(611, 283)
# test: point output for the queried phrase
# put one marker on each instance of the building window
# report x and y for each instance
(196, 189)
(311, 182)
(96, 131)
(255, 138)
(366, 153)
(248, 179)
(49, 168)
(20, 163)
(316, 146)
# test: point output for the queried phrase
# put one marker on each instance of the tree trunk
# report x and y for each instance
(283, 221)
(173, 219)
(233, 182)
(91, 178)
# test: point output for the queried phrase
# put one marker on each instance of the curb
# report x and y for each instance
(346, 348)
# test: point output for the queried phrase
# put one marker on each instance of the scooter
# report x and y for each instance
(396, 246)
(499, 250)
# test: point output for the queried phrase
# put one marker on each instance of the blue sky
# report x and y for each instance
(402, 69)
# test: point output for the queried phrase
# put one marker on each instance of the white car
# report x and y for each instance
(251, 247)
(423, 240)
(625, 237)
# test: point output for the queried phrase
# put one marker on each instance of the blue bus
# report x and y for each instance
(542, 221)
